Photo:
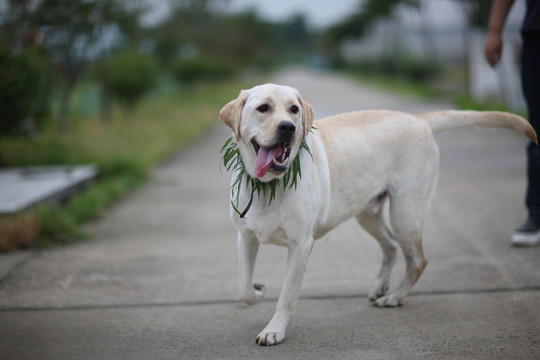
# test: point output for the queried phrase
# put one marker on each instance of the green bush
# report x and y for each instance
(56, 225)
(131, 76)
(201, 69)
(124, 155)
(25, 83)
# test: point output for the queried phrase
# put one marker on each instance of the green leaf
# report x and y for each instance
(232, 159)
(305, 146)
(272, 192)
(235, 208)
(229, 140)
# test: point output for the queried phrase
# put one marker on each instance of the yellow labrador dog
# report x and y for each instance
(356, 161)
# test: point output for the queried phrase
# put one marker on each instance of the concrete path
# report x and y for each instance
(158, 277)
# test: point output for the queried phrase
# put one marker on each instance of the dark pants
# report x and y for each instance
(530, 76)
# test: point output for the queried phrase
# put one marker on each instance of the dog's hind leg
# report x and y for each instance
(407, 223)
(248, 247)
(374, 224)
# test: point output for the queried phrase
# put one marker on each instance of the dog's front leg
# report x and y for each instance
(248, 246)
(274, 332)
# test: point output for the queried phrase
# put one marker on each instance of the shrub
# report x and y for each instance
(131, 76)
(201, 69)
(123, 154)
(25, 82)
(56, 226)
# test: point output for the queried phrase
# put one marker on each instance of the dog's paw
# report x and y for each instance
(387, 301)
(254, 294)
(259, 291)
(378, 292)
(269, 338)
(274, 332)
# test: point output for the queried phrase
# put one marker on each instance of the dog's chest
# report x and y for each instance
(268, 226)
(277, 236)
(269, 232)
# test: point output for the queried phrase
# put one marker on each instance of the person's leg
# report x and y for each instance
(529, 233)
(533, 177)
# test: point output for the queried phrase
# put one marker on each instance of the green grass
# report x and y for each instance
(124, 149)
(460, 99)
(398, 85)
(466, 102)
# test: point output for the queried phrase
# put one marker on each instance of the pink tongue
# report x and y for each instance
(264, 160)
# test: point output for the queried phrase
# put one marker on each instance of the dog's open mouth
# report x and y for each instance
(274, 158)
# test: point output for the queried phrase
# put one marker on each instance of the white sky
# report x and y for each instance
(319, 13)
(322, 13)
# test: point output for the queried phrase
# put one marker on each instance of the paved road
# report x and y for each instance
(158, 279)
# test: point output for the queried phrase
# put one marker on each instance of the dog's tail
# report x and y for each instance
(450, 119)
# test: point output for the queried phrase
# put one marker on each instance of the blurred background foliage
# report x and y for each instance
(86, 81)
(71, 40)
(67, 41)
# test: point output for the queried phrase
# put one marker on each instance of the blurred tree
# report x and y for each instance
(131, 76)
(245, 40)
(25, 75)
(189, 71)
(355, 26)
(74, 31)
(25, 83)
(15, 24)
(477, 12)
(369, 12)
(184, 30)
(196, 30)
(295, 38)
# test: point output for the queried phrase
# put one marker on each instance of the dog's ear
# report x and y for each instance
(230, 114)
(308, 115)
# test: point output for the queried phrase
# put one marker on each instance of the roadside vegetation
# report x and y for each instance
(394, 66)
(86, 82)
(125, 149)
(428, 90)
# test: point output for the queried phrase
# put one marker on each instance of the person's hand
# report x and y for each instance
(493, 48)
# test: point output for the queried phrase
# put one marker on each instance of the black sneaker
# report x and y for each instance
(527, 235)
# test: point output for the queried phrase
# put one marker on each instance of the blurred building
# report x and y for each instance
(439, 31)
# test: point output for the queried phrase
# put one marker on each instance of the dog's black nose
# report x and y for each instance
(285, 130)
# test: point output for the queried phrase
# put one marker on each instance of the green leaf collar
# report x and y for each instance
(232, 159)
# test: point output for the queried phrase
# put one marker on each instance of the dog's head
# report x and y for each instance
(269, 122)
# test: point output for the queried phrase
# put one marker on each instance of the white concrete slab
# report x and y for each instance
(21, 188)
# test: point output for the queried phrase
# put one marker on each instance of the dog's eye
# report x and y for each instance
(294, 109)
(263, 108)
